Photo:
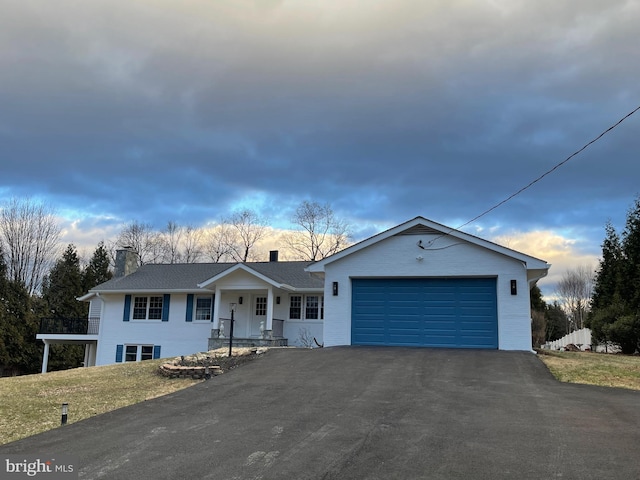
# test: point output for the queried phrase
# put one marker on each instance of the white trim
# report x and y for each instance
(529, 261)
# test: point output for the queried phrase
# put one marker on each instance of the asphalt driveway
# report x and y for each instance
(364, 413)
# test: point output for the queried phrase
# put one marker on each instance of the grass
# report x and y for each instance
(594, 368)
(31, 404)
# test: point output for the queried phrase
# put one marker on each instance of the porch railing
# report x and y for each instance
(276, 332)
(73, 326)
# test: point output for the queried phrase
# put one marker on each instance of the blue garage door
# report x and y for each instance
(427, 312)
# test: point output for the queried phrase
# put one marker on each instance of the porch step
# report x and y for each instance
(215, 343)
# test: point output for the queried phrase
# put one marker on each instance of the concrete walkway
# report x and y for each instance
(364, 413)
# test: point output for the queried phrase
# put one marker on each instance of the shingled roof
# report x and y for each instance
(187, 276)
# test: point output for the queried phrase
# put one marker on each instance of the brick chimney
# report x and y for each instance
(126, 262)
(273, 256)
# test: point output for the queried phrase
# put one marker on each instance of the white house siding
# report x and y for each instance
(397, 257)
(175, 337)
(301, 333)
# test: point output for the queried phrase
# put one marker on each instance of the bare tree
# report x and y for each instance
(147, 242)
(319, 233)
(218, 242)
(575, 290)
(30, 234)
(171, 238)
(191, 244)
(249, 228)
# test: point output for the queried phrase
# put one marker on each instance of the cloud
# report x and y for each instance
(563, 252)
(163, 110)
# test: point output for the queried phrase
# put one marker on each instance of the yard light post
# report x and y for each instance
(65, 411)
(232, 307)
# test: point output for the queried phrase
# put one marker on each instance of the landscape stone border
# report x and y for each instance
(205, 365)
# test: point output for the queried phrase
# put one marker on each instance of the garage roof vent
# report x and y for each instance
(419, 230)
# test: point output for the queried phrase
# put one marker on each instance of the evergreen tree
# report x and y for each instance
(616, 299)
(535, 297)
(97, 271)
(60, 291)
(19, 350)
(630, 287)
(609, 272)
(64, 285)
(556, 322)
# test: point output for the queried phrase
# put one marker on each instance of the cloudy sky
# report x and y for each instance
(157, 110)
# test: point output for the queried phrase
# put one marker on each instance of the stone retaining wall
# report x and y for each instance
(179, 371)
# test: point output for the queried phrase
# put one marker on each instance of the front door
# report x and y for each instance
(259, 315)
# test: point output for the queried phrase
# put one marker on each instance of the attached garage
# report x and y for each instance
(427, 312)
(424, 284)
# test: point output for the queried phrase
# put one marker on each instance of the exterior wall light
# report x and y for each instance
(335, 289)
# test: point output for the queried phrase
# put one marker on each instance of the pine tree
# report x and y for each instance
(19, 351)
(64, 285)
(615, 315)
(97, 271)
(608, 276)
(630, 287)
(60, 291)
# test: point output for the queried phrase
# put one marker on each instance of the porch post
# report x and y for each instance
(215, 329)
(45, 356)
(93, 348)
(268, 330)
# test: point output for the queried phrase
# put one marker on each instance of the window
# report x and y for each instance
(295, 307)
(313, 307)
(261, 306)
(131, 353)
(147, 352)
(147, 308)
(136, 353)
(203, 308)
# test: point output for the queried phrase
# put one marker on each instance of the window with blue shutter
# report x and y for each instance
(165, 308)
(119, 350)
(189, 315)
(127, 308)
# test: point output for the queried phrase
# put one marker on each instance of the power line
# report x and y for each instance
(530, 184)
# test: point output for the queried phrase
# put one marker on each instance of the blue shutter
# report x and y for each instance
(119, 349)
(156, 351)
(165, 308)
(127, 308)
(189, 315)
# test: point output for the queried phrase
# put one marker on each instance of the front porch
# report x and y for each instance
(266, 338)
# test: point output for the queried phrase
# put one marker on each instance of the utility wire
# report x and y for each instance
(530, 184)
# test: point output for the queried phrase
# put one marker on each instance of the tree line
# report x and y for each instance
(605, 299)
(315, 234)
(39, 280)
(21, 310)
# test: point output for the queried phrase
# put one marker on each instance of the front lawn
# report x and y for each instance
(608, 370)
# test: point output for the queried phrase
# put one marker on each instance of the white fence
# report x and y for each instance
(580, 338)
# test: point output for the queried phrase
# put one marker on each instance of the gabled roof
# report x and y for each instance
(422, 226)
(191, 277)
